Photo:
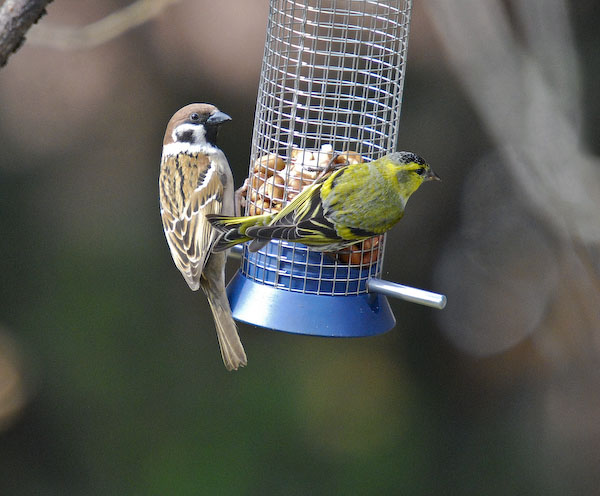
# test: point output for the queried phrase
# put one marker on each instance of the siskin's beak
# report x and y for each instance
(218, 118)
(432, 176)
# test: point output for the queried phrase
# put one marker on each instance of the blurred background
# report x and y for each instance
(111, 381)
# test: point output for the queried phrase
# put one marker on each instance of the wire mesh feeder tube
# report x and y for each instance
(331, 86)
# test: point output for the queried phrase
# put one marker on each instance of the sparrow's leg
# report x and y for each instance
(240, 198)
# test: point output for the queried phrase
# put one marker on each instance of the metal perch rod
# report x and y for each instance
(407, 293)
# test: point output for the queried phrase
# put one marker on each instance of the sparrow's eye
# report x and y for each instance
(420, 171)
(194, 117)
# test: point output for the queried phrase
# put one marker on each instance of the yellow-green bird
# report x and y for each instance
(353, 203)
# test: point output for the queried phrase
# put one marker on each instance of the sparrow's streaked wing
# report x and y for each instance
(190, 236)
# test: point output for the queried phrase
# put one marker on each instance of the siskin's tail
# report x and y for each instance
(213, 285)
(233, 229)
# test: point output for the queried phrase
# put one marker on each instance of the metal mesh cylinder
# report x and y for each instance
(332, 74)
(331, 83)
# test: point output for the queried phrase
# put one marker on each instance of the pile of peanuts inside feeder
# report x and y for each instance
(275, 182)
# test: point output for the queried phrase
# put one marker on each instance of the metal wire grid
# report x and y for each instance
(293, 267)
(331, 81)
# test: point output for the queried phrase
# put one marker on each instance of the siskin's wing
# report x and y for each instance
(190, 188)
(301, 220)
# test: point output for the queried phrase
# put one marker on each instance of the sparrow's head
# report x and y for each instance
(195, 124)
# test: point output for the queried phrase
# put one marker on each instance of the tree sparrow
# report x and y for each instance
(195, 180)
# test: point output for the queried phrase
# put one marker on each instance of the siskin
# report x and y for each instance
(353, 203)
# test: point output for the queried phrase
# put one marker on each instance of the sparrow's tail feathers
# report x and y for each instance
(232, 349)
(233, 229)
(213, 285)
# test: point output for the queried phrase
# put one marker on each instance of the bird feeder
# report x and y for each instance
(330, 90)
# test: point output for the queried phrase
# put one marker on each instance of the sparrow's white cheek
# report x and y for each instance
(190, 133)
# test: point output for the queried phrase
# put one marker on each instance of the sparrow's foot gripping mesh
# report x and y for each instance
(331, 82)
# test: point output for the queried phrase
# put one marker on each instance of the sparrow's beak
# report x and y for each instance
(218, 118)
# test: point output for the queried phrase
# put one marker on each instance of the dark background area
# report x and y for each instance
(110, 377)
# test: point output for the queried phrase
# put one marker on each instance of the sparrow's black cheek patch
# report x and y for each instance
(186, 136)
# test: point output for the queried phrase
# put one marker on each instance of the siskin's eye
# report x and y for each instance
(420, 171)
(194, 117)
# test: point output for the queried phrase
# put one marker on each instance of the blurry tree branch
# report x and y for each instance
(525, 86)
(99, 32)
(16, 17)
(526, 256)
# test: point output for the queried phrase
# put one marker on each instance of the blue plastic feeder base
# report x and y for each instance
(316, 315)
